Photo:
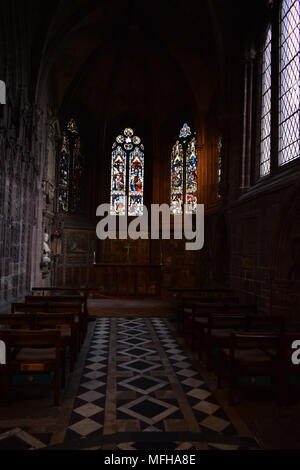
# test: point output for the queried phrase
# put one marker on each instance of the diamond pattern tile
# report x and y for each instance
(137, 395)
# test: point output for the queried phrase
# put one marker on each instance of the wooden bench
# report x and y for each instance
(254, 360)
(60, 299)
(186, 304)
(30, 353)
(56, 307)
(64, 322)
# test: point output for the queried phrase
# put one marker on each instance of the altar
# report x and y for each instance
(128, 280)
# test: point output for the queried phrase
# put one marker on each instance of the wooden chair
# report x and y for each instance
(32, 353)
(253, 362)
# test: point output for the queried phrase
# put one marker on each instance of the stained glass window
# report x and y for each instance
(184, 182)
(220, 151)
(177, 165)
(64, 175)
(289, 96)
(265, 140)
(191, 178)
(127, 175)
(70, 169)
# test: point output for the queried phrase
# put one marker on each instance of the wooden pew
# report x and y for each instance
(267, 323)
(76, 309)
(195, 317)
(18, 321)
(65, 323)
(218, 334)
(56, 307)
(32, 353)
(187, 303)
(21, 307)
(254, 360)
(83, 291)
(67, 299)
(204, 292)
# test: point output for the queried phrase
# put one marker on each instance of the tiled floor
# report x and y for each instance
(138, 390)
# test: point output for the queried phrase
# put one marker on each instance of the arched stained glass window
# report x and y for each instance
(184, 180)
(70, 169)
(64, 173)
(177, 164)
(127, 175)
(191, 177)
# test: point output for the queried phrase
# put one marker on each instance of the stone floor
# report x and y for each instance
(136, 387)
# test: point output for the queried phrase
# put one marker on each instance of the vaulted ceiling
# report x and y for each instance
(152, 58)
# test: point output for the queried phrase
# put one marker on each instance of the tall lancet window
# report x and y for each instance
(70, 170)
(265, 138)
(289, 95)
(184, 182)
(280, 119)
(127, 175)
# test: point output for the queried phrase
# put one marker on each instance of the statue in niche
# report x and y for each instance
(46, 250)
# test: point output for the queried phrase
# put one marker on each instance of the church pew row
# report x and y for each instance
(203, 292)
(199, 313)
(63, 322)
(263, 361)
(59, 299)
(192, 307)
(217, 334)
(241, 348)
(56, 307)
(82, 291)
(31, 355)
(186, 304)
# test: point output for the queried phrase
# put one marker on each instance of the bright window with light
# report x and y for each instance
(265, 139)
(184, 181)
(289, 96)
(127, 175)
(70, 170)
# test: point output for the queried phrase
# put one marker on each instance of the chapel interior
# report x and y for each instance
(121, 344)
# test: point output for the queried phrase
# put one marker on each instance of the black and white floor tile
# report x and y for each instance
(139, 383)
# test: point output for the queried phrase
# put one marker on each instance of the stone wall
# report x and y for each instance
(25, 140)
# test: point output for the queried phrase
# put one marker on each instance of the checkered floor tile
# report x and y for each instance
(138, 379)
